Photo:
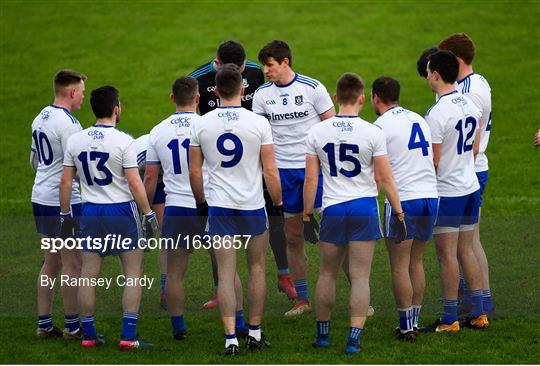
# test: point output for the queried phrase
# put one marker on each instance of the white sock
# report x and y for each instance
(229, 341)
(255, 333)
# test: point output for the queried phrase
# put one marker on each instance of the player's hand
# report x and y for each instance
(311, 229)
(202, 209)
(399, 228)
(150, 225)
(68, 226)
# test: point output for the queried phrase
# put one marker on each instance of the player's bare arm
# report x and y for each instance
(385, 179)
(329, 113)
(310, 183)
(136, 188)
(151, 174)
(271, 174)
(195, 173)
(68, 173)
(436, 155)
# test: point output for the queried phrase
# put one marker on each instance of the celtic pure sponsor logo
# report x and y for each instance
(230, 115)
(181, 121)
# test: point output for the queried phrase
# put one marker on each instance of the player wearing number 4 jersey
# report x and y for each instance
(293, 103)
(453, 121)
(237, 146)
(477, 89)
(51, 130)
(351, 153)
(106, 161)
(408, 141)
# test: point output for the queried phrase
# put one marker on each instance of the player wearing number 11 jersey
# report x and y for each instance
(453, 121)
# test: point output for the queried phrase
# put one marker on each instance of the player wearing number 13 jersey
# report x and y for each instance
(453, 121)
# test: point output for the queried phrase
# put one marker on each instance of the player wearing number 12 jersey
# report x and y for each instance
(51, 130)
(237, 146)
(408, 141)
(453, 121)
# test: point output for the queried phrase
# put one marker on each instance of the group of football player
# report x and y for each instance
(270, 163)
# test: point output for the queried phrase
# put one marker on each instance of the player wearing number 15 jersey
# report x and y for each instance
(106, 161)
(351, 153)
(237, 146)
(408, 141)
(51, 130)
(453, 121)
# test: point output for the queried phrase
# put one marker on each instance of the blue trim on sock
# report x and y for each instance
(45, 321)
(283, 272)
(129, 326)
(71, 322)
(178, 324)
(302, 290)
(89, 330)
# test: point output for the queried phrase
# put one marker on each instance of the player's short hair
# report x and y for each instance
(66, 77)
(278, 50)
(184, 90)
(228, 81)
(461, 45)
(446, 64)
(231, 52)
(103, 100)
(349, 87)
(422, 62)
(387, 89)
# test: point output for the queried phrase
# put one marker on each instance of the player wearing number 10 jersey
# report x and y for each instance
(408, 141)
(453, 121)
(51, 130)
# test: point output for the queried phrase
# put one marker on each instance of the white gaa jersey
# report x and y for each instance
(141, 147)
(453, 121)
(230, 139)
(409, 146)
(292, 110)
(477, 89)
(100, 154)
(169, 146)
(51, 130)
(345, 146)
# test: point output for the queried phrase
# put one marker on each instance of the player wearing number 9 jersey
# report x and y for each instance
(408, 141)
(106, 161)
(453, 121)
(51, 130)
(237, 146)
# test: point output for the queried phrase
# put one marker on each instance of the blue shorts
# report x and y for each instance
(117, 222)
(356, 220)
(227, 221)
(292, 187)
(482, 180)
(47, 218)
(420, 216)
(159, 196)
(180, 223)
(457, 211)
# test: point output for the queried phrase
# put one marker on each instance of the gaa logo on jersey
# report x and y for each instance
(181, 121)
(298, 100)
(230, 115)
(45, 115)
(96, 135)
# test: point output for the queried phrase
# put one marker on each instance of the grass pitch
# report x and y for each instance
(141, 47)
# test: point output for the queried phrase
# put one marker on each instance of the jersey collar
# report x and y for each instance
(57, 107)
(289, 83)
(465, 78)
(103, 126)
(345, 116)
(230, 106)
(444, 95)
(183, 112)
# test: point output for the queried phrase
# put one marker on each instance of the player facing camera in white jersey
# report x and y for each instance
(352, 156)
(453, 121)
(293, 103)
(106, 162)
(237, 146)
(409, 146)
(51, 130)
(477, 89)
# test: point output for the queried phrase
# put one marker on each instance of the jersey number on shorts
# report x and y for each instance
(467, 144)
(101, 158)
(416, 132)
(174, 146)
(330, 150)
(236, 152)
(41, 141)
